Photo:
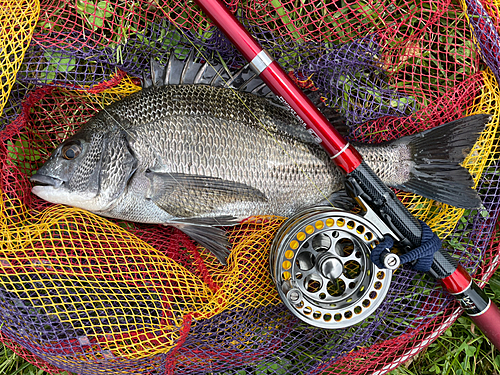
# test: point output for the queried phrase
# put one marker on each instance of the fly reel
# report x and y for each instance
(320, 263)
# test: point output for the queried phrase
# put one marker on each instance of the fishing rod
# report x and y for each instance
(360, 180)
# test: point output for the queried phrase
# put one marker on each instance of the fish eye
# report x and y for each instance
(71, 151)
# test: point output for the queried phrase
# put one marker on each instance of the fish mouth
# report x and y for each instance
(43, 180)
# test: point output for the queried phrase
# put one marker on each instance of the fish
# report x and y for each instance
(200, 148)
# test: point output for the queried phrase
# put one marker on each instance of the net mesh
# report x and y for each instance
(88, 295)
(18, 21)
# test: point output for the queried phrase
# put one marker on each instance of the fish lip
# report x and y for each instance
(45, 180)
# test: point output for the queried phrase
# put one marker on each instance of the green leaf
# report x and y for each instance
(484, 213)
(22, 154)
(104, 9)
(84, 8)
(95, 14)
(60, 61)
(49, 74)
(497, 361)
(97, 22)
(470, 351)
(261, 370)
(21, 150)
(435, 368)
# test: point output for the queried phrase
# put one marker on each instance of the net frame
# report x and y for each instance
(484, 90)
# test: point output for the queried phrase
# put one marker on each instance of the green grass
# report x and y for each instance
(11, 364)
(461, 350)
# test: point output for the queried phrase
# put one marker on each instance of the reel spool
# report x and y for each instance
(320, 264)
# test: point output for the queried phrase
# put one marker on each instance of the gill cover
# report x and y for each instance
(117, 166)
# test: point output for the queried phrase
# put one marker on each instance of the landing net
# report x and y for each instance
(89, 295)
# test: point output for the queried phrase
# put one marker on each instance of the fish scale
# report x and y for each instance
(243, 157)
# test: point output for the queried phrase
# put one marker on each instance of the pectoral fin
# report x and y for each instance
(184, 195)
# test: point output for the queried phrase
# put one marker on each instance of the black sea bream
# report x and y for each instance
(192, 155)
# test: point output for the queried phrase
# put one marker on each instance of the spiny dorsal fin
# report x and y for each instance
(190, 72)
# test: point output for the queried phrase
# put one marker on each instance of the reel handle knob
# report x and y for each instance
(390, 260)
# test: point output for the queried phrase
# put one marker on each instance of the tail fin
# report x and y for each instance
(436, 153)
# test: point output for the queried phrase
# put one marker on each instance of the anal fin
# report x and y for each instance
(204, 231)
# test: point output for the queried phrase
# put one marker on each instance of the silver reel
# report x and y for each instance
(320, 264)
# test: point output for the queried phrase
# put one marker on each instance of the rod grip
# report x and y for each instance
(488, 323)
(456, 280)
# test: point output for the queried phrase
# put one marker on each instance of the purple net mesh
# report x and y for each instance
(348, 74)
(486, 34)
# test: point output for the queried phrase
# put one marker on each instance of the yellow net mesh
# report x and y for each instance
(102, 98)
(79, 260)
(106, 270)
(17, 20)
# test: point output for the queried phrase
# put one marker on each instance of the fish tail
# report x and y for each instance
(436, 154)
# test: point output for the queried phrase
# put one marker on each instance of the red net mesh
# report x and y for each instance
(88, 295)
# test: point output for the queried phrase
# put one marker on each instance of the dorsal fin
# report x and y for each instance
(190, 72)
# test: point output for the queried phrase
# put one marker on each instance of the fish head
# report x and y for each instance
(90, 170)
